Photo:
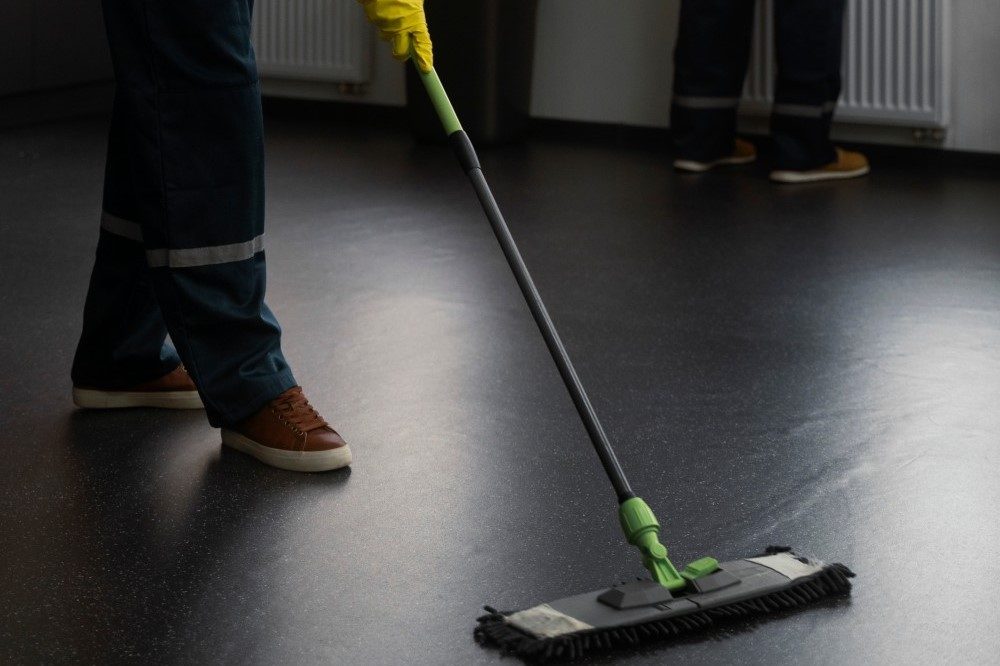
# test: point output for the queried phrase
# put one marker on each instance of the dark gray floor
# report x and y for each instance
(815, 366)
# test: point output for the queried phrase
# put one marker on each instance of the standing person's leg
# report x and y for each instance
(189, 95)
(808, 43)
(710, 64)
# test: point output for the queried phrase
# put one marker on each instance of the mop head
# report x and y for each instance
(643, 611)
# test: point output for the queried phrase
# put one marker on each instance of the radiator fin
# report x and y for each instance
(313, 40)
(894, 63)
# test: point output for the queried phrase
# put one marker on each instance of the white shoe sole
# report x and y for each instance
(701, 167)
(816, 176)
(95, 399)
(296, 461)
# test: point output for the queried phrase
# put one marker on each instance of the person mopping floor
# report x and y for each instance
(181, 247)
(710, 64)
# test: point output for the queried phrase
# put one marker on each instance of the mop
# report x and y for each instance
(673, 602)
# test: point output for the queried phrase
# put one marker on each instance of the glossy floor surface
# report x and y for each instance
(816, 366)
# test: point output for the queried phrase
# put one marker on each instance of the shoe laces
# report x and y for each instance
(293, 406)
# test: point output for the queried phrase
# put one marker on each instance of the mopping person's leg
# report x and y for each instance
(123, 358)
(187, 83)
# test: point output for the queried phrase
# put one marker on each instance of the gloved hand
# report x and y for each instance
(402, 23)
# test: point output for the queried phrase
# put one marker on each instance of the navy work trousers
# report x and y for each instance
(710, 63)
(181, 240)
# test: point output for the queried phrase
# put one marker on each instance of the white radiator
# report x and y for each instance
(894, 69)
(312, 40)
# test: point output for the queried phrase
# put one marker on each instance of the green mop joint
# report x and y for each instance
(642, 530)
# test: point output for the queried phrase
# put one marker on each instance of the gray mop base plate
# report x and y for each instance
(646, 601)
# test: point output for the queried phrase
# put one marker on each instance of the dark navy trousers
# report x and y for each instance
(182, 227)
(710, 64)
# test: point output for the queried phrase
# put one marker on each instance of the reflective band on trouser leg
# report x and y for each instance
(701, 102)
(804, 110)
(205, 256)
(187, 257)
(194, 179)
(120, 227)
(123, 340)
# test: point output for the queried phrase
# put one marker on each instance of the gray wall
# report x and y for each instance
(595, 60)
(975, 68)
(604, 61)
(387, 87)
(47, 44)
(609, 61)
(54, 62)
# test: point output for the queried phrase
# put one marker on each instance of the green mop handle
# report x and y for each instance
(637, 520)
(470, 162)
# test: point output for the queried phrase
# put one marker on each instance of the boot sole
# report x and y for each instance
(95, 399)
(816, 176)
(295, 461)
(691, 166)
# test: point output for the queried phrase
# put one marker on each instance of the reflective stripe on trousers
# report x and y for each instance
(186, 257)
(181, 247)
(711, 57)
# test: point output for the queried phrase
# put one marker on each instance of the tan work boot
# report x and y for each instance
(174, 390)
(849, 164)
(290, 434)
(744, 152)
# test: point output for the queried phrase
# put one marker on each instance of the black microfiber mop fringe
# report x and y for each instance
(492, 629)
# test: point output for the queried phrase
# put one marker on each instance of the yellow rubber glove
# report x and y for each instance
(402, 23)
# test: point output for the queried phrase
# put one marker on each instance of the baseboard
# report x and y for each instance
(95, 99)
(39, 106)
(334, 110)
(658, 139)
(631, 136)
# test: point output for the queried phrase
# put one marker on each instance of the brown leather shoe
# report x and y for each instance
(290, 434)
(744, 152)
(849, 164)
(174, 390)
